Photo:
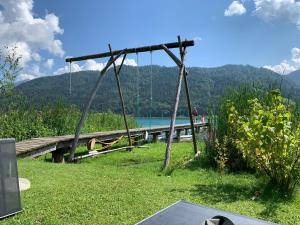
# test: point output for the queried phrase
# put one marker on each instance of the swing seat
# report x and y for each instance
(106, 145)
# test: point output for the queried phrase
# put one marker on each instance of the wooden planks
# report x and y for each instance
(38, 146)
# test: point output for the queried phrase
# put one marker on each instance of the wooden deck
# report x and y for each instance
(39, 146)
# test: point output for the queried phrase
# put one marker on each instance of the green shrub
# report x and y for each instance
(268, 139)
(22, 124)
(220, 135)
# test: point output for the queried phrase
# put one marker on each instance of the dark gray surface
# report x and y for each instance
(9, 183)
(185, 213)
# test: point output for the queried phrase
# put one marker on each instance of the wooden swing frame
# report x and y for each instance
(114, 55)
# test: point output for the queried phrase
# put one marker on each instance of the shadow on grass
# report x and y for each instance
(198, 163)
(132, 161)
(272, 197)
(228, 193)
(269, 195)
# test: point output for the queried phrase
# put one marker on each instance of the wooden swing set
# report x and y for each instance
(113, 56)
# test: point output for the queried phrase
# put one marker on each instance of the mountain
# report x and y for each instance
(206, 87)
(17, 83)
(294, 77)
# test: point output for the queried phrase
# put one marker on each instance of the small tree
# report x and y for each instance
(268, 138)
(9, 68)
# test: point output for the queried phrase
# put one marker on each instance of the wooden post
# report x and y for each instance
(117, 73)
(187, 92)
(136, 140)
(167, 134)
(172, 125)
(88, 105)
(155, 137)
(58, 156)
(178, 132)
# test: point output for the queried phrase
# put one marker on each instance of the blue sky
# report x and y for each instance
(255, 32)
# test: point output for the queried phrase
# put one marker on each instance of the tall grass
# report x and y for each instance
(53, 120)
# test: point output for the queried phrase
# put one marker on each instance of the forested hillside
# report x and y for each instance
(206, 87)
(294, 77)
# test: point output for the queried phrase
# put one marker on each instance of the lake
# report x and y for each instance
(157, 121)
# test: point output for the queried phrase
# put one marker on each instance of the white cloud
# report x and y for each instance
(36, 57)
(287, 66)
(32, 73)
(270, 10)
(128, 62)
(197, 39)
(49, 63)
(66, 69)
(236, 8)
(19, 25)
(91, 65)
(30, 34)
(25, 76)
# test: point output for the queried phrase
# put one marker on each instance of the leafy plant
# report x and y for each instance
(9, 68)
(268, 139)
(220, 127)
(222, 154)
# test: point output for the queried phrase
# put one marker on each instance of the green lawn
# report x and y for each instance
(125, 187)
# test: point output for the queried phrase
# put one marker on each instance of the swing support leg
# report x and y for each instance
(88, 104)
(173, 119)
(182, 76)
(117, 75)
(187, 92)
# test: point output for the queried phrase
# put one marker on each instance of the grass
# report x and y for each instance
(125, 187)
(55, 120)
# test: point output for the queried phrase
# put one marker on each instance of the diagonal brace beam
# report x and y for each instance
(117, 72)
(171, 54)
(182, 77)
(175, 107)
(88, 104)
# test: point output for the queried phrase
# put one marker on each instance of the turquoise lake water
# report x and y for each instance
(154, 122)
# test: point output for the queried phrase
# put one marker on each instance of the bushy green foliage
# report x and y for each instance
(52, 120)
(222, 140)
(268, 139)
(22, 125)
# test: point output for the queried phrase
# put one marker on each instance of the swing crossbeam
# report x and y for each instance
(150, 48)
